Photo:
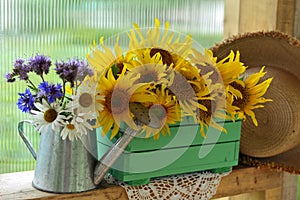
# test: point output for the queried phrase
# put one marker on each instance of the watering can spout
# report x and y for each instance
(144, 117)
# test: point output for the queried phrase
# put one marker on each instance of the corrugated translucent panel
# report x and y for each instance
(65, 29)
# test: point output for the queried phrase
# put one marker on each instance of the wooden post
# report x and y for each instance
(247, 16)
(285, 21)
(297, 20)
(262, 15)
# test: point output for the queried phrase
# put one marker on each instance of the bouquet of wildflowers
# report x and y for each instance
(165, 73)
(159, 72)
(67, 106)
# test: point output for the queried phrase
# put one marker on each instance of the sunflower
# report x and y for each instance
(151, 68)
(251, 94)
(222, 73)
(117, 96)
(166, 110)
(102, 59)
(48, 116)
(226, 70)
(212, 104)
(165, 44)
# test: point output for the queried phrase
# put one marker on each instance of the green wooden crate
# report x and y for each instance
(183, 151)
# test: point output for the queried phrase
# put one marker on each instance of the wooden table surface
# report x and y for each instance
(273, 185)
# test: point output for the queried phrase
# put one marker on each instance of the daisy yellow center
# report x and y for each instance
(117, 101)
(50, 115)
(70, 126)
(241, 103)
(85, 100)
(166, 56)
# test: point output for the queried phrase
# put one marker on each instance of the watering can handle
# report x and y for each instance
(113, 153)
(24, 138)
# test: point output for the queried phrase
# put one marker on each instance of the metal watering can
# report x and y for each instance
(64, 166)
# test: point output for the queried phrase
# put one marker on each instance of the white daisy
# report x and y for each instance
(78, 126)
(49, 115)
(70, 130)
(87, 98)
(82, 122)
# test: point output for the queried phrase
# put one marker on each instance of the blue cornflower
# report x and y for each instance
(40, 64)
(50, 92)
(26, 101)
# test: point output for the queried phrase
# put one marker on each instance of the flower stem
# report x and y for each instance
(64, 91)
(31, 83)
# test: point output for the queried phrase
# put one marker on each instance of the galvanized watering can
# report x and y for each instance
(64, 166)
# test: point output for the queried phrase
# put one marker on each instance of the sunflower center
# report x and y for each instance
(159, 111)
(85, 100)
(206, 115)
(240, 102)
(70, 126)
(117, 102)
(165, 55)
(50, 115)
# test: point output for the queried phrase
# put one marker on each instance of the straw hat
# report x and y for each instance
(276, 141)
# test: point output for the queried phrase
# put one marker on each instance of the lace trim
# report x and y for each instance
(192, 186)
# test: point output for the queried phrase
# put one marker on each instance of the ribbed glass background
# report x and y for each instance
(65, 29)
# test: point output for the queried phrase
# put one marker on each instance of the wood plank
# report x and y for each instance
(289, 186)
(257, 15)
(18, 186)
(249, 196)
(273, 194)
(297, 20)
(246, 180)
(285, 21)
(231, 17)
(249, 16)
(241, 180)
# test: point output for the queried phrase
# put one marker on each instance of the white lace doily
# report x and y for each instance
(192, 186)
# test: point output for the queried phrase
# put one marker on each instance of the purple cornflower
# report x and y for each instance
(84, 70)
(40, 64)
(73, 70)
(50, 92)
(10, 78)
(26, 101)
(20, 69)
(67, 71)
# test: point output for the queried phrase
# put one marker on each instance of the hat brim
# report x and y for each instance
(276, 140)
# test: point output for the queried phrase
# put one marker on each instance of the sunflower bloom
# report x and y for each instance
(151, 69)
(251, 95)
(117, 96)
(166, 109)
(166, 44)
(103, 59)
